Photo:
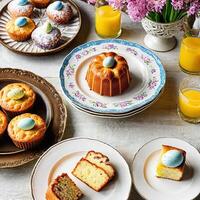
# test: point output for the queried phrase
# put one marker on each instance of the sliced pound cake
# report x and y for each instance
(101, 161)
(94, 176)
(63, 188)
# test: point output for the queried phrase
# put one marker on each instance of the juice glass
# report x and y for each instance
(189, 99)
(190, 55)
(107, 21)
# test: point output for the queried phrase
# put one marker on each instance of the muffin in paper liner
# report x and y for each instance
(17, 98)
(27, 130)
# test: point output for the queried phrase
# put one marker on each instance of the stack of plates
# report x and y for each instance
(147, 73)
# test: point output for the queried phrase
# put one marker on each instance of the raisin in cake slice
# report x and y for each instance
(92, 175)
(101, 161)
(63, 188)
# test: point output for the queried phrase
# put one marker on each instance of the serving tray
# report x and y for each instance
(69, 31)
(49, 105)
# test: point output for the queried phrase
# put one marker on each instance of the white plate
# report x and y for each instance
(152, 188)
(117, 116)
(64, 156)
(147, 72)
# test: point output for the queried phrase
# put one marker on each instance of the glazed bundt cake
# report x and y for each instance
(108, 74)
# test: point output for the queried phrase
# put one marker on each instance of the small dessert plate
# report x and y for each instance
(152, 188)
(63, 157)
(147, 72)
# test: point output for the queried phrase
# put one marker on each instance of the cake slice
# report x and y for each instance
(101, 161)
(171, 163)
(94, 176)
(63, 188)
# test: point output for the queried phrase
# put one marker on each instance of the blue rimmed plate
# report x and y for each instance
(147, 72)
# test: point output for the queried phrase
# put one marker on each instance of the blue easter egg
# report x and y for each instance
(58, 5)
(22, 2)
(26, 124)
(16, 93)
(172, 158)
(109, 62)
(21, 21)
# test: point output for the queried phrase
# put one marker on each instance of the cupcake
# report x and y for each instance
(46, 36)
(19, 8)
(17, 98)
(59, 12)
(27, 130)
(40, 3)
(3, 123)
(20, 29)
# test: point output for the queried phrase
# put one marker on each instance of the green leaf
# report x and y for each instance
(181, 15)
(168, 11)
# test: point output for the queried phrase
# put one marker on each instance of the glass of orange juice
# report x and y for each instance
(190, 55)
(189, 99)
(107, 20)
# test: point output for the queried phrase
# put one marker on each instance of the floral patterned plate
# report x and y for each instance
(148, 77)
(119, 116)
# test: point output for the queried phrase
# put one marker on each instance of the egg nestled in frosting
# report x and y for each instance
(21, 21)
(172, 158)
(22, 2)
(26, 124)
(16, 93)
(109, 62)
(48, 27)
(58, 5)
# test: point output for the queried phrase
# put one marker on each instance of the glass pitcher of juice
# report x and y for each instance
(107, 20)
(190, 55)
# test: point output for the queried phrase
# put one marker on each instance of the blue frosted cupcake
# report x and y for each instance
(46, 36)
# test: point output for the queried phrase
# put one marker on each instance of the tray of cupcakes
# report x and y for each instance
(94, 170)
(112, 78)
(32, 117)
(39, 27)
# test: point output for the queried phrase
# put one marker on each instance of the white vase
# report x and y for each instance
(161, 36)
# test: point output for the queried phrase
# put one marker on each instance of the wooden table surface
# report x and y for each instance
(127, 135)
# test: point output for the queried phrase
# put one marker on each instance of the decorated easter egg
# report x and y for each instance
(172, 158)
(21, 21)
(22, 2)
(15, 93)
(26, 124)
(48, 27)
(109, 62)
(58, 5)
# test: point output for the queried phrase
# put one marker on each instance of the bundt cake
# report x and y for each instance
(108, 74)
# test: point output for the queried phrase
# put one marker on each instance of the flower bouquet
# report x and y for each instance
(161, 19)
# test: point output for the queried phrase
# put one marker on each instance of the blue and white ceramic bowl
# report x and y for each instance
(148, 77)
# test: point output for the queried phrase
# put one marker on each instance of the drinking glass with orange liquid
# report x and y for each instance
(190, 55)
(189, 99)
(107, 20)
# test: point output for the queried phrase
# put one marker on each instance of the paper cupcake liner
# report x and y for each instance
(27, 145)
